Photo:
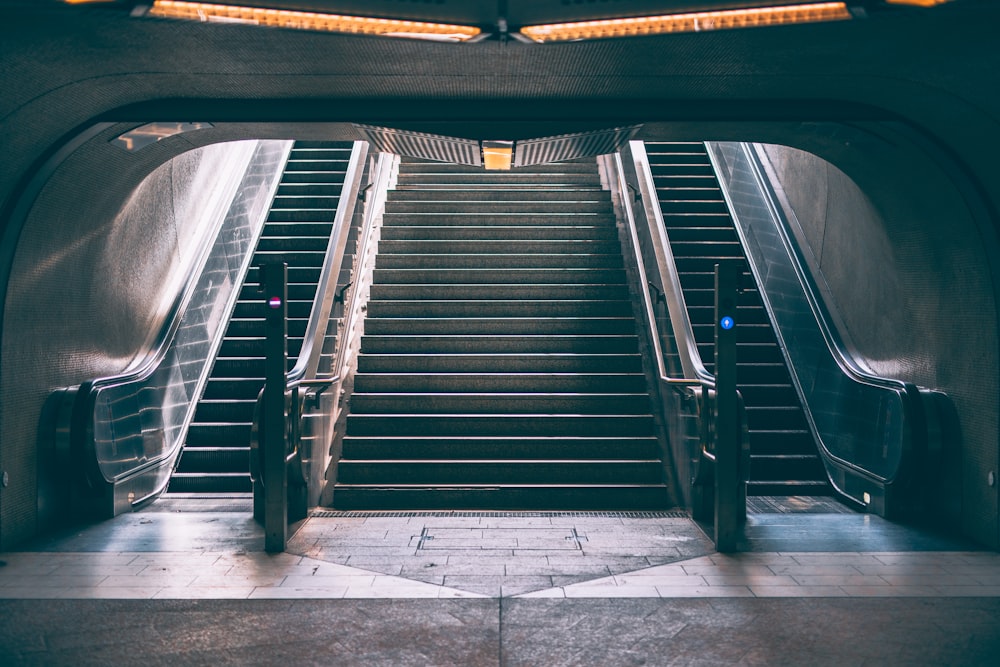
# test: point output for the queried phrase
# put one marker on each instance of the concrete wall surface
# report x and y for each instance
(93, 279)
(905, 268)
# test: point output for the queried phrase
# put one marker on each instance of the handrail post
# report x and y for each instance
(274, 279)
(728, 513)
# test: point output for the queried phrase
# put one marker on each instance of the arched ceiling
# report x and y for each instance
(64, 68)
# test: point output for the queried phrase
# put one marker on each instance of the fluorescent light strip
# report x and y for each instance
(692, 22)
(281, 18)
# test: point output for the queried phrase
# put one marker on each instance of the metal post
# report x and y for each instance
(727, 425)
(274, 278)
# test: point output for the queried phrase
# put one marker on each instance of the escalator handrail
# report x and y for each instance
(81, 417)
(914, 418)
(838, 350)
(695, 373)
(308, 359)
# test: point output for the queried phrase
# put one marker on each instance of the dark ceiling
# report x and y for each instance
(64, 68)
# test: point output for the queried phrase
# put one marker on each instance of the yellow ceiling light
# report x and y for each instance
(498, 155)
(917, 3)
(690, 22)
(281, 18)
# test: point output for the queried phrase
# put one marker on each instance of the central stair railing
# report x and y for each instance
(707, 438)
(309, 404)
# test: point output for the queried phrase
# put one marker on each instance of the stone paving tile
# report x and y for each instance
(52, 581)
(889, 591)
(704, 591)
(238, 580)
(571, 569)
(618, 558)
(204, 593)
(611, 592)
(967, 591)
(749, 580)
(456, 569)
(492, 586)
(283, 593)
(769, 591)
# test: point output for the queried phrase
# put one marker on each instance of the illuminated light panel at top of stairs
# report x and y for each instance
(754, 17)
(315, 21)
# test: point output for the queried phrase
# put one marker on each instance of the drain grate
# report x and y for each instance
(380, 514)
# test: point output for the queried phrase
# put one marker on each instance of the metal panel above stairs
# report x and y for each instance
(499, 368)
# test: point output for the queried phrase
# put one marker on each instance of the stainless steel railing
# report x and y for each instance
(685, 388)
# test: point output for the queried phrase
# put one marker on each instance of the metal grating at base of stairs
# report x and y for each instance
(216, 455)
(783, 455)
(499, 368)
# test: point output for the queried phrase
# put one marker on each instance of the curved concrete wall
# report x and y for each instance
(92, 281)
(904, 265)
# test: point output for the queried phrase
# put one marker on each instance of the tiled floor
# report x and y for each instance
(163, 553)
(186, 584)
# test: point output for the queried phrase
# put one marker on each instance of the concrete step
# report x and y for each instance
(584, 168)
(500, 363)
(499, 232)
(497, 292)
(500, 325)
(499, 447)
(501, 193)
(501, 471)
(500, 382)
(494, 247)
(582, 267)
(498, 344)
(458, 308)
(516, 179)
(583, 497)
(524, 205)
(461, 218)
(498, 403)
(532, 425)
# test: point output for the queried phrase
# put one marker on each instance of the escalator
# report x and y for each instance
(783, 453)
(215, 458)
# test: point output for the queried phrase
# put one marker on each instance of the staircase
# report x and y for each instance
(499, 368)
(216, 455)
(783, 456)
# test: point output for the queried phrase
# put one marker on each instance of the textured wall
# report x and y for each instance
(91, 283)
(903, 264)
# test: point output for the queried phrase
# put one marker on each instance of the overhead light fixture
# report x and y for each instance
(726, 19)
(498, 155)
(282, 18)
(145, 135)
(917, 3)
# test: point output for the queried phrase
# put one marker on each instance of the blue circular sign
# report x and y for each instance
(727, 322)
